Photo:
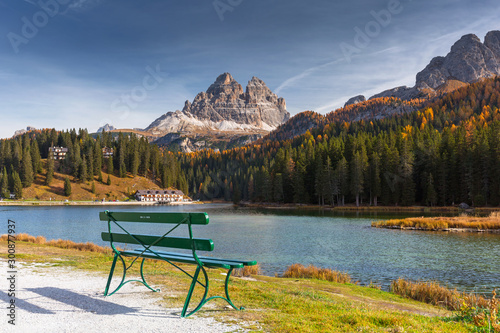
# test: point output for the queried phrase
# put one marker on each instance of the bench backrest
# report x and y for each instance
(116, 220)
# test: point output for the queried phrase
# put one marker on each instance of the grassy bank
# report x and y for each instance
(294, 304)
(490, 223)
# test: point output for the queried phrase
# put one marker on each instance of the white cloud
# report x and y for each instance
(294, 79)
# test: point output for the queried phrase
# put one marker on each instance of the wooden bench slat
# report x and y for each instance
(209, 262)
(172, 218)
(200, 244)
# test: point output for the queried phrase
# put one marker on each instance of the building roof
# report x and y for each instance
(159, 192)
(62, 149)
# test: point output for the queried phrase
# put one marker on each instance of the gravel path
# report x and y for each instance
(54, 299)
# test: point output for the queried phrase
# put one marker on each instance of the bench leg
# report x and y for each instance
(110, 275)
(228, 299)
(106, 291)
(190, 292)
(144, 280)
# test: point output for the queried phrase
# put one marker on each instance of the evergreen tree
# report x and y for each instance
(93, 188)
(97, 158)
(406, 172)
(342, 173)
(236, 193)
(298, 182)
(108, 182)
(50, 171)
(83, 173)
(18, 186)
(375, 181)
(4, 185)
(358, 169)
(277, 188)
(431, 196)
(27, 175)
(67, 187)
(109, 165)
(35, 157)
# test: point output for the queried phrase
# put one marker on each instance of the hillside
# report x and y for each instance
(120, 188)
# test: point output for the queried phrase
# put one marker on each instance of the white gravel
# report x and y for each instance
(55, 299)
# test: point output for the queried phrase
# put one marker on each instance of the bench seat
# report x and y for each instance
(188, 258)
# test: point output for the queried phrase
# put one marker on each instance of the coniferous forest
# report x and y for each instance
(445, 153)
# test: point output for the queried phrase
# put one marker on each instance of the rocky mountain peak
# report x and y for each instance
(225, 84)
(355, 100)
(226, 107)
(468, 61)
(492, 41)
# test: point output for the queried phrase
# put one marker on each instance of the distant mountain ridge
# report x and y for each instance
(468, 61)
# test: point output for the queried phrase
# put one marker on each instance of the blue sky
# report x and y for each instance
(83, 63)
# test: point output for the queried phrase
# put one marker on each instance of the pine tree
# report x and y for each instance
(4, 185)
(18, 186)
(35, 157)
(109, 165)
(67, 187)
(431, 195)
(83, 173)
(50, 171)
(358, 169)
(27, 175)
(277, 188)
(406, 172)
(108, 182)
(93, 188)
(375, 182)
(236, 193)
(97, 158)
(342, 173)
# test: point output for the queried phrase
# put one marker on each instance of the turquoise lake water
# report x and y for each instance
(279, 238)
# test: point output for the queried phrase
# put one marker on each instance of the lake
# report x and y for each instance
(279, 238)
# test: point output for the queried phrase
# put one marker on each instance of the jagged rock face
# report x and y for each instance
(355, 100)
(226, 107)
(106, 128)
(492, 41)
(468, 61)
(402, 92)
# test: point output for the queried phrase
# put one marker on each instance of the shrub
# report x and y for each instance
(312, 272)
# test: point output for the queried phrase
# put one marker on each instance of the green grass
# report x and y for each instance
(272, 304)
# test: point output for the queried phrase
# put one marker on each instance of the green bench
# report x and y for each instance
(148, 245)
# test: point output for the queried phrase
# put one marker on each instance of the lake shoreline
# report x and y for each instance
(353, 208)
(91, 203)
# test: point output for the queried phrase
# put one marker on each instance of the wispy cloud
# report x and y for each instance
(84, 4)
(291, 81)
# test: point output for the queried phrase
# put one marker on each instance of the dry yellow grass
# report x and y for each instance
(248, 271)
(433, 293)
(491, 222)
(312, 272)
(63, 244)
(483, 313)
